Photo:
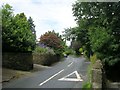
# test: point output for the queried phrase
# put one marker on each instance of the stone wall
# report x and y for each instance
(17, 60)
(45, 59)
(98, 78)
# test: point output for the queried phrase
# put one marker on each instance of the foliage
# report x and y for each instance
(44, 56)
(100, 23)
(81, 50)
(68, 51)
(41, 50)
(87, 86)
(93, 59)
(69, 34)
(75, 45)
(32, 26)
(16, 31)
(54, 41)
(79, 38)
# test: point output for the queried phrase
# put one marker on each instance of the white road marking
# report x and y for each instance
(70, 64)
(51, 77)
(72, 79)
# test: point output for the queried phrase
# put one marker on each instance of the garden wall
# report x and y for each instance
(45, 59)
(98, 76)
(99, 79)
(17, 60)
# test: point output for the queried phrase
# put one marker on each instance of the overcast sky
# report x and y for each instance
(48, 15)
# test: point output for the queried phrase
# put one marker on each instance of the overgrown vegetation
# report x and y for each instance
(41, 50)
(44, 56)
(88, 84)
(18, 32)
(98, 32)
(19, 35)
(68, 51)
(53, 41)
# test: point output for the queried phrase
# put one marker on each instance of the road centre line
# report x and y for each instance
(70, 64)
(51, 77)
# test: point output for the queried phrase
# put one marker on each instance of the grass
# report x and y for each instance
(87, 85)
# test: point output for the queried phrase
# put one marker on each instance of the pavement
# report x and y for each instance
(69, 73)
(9, 75)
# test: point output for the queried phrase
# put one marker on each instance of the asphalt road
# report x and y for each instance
(69, 73)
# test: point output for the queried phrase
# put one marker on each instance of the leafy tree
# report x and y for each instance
(7, 16)
(53, 40)
(75, 45)
(69, 34)
(32, 26)
(79, 38)
(16, 31)
(101, 21)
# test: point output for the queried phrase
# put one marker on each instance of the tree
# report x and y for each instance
(32, 26)
(76, 45)
(101, 20)
(79, 38)
(53, 40)
(16, 32)
(7, 16)
(69, 34)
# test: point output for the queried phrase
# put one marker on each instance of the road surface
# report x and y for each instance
(69, 73)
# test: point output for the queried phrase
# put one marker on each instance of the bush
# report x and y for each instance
(44, 56)
(54, 41)
(87, 86)
(17, 35)
(81, 50)
(40, 50)
(93, 58)
(68, 52)
(45, 59)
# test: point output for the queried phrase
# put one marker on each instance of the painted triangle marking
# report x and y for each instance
(66, 78)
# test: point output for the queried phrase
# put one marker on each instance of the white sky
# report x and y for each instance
(48, 15)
